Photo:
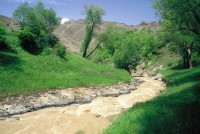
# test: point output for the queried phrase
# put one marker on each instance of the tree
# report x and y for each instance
(93, 19)
(37, 24)
(183, 17)
(119, 45)
(181, 43)
(36, 16)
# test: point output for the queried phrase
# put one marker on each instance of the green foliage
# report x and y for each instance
(36, 16)
(30, 39)
(181, 22)
(3, 43)
(175, 111)
(52, 40)
(8, 39)
(24, 73)
(181, 15)
(93, 19)
(149, 42)
(126, 55)
(59, 50)
(124, 47)
(126, 58)
(37, 24)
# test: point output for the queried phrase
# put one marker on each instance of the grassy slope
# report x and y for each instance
(176, 111)
(23, 73)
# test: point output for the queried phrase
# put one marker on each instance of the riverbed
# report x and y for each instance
(90, 118)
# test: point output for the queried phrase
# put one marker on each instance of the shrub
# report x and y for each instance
(59, 50)
(35, 40)
(52, 40)
(126, 58)
(28, 37)
(37, 25)
(47, 51)
(3, 45)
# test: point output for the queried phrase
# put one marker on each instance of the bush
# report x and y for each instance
(35, 40)
(59, 50)
(29, 40)
(47, 51)
(126, 58)
(3, 44)
(52, 40)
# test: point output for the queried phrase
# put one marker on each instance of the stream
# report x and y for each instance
(90, 118)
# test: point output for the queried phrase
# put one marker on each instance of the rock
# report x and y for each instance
(155, 69)
(98, 115)
(149, 63)
(138, 72)
(158, 77)
(164, 85)
(145, 74)
(143, 65)
(2, 118)
(160, 67)
(23, 104)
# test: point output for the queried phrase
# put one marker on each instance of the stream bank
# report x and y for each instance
(90, 118)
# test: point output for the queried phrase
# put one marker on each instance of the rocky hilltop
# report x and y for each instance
(72, 32)
(9, 22)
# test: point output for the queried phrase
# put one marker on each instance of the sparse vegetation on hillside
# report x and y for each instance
(72, 32)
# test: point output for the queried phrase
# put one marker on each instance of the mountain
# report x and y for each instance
(9, 22)
(72, 32)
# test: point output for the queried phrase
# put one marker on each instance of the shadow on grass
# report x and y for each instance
(183, 76)
(178, 113)
(177, 67)
(10, 61)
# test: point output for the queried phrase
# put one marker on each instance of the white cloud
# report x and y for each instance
(64, 20)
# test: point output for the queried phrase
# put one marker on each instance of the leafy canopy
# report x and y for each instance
(36, 16)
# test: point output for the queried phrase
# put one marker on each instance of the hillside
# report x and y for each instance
(72, 32)
(9, 22)
(23, 73)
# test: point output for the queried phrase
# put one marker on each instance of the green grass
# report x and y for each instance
(23, 73)
(176, 111)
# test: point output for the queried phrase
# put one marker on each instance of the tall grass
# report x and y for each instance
(176, 111)
(24, 73)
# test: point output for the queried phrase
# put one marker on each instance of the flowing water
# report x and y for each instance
(90, 118)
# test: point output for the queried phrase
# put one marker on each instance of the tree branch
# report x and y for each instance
(97, 46)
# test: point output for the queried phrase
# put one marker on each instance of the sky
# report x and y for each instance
(131, 12)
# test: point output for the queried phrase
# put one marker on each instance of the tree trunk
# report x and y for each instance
(84, 53)
(185, 59)
(189, 54)
(89, 35)
(94, 49)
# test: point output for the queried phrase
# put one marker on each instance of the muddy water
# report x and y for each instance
(89, 118)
